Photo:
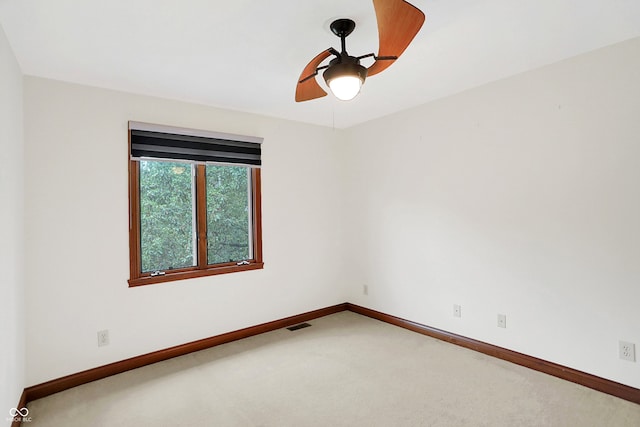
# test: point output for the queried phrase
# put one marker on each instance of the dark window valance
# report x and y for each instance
(170, 143)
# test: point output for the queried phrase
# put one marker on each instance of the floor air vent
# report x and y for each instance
(300, 326)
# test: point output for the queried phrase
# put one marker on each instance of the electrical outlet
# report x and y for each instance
(502, 320)
(457, 310)
(103, 338)
(365, 290)
(627, 351)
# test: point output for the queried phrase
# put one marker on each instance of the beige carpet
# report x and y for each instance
(345, 370)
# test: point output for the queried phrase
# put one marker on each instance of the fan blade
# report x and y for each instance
(309, 88)
(398, 24)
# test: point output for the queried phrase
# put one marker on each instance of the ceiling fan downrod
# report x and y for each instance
(342, 28)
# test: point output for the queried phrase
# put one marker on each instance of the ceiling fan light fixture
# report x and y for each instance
(345, 88)
(345, 79)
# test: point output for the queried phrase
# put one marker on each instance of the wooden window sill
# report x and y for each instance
(190, 274)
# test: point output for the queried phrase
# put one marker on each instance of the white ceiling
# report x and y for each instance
(246, 55)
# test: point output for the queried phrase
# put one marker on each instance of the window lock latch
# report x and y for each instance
(157, 273)
(245, 262)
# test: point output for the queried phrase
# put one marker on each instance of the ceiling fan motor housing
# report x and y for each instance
(344, 66)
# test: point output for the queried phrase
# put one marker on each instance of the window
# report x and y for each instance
(194, 203)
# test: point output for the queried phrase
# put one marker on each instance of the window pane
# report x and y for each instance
(167, 235)
(228, 214)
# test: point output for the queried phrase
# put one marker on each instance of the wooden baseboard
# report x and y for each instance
(597, 383)
(21, 404)
(54, 386)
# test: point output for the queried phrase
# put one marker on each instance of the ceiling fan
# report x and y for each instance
(398, 23)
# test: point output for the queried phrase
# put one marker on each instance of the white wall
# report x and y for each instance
(519, 197)
(12, 345)
(77, 231)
